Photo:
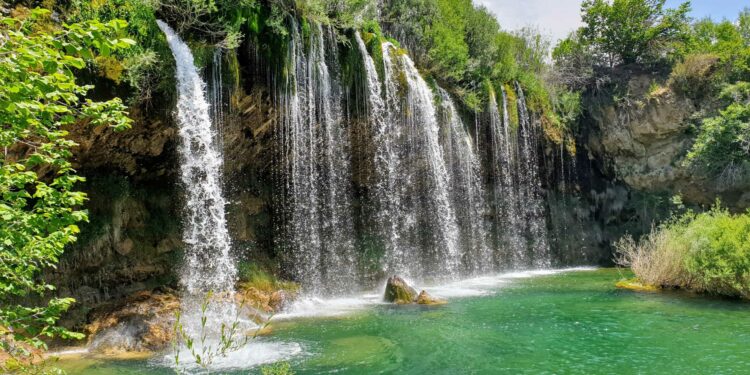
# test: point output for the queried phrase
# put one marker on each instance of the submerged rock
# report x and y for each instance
(425, 298)
(636, 285)
(398, 291)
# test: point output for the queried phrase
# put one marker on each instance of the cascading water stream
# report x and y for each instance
(397, 257)
(209, 266)
(318, 229)
(508, 221)
(530, 185)
(208, 263)
(417, 174)
(520, 226)
(216, 96)
(467, 191)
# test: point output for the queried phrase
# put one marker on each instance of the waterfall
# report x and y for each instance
(318, 228)
(508, 221)
(434, 215)
(467, 190)
(520, 227)
(386, 197)
(530, 184)
(208, 263)
(421, 230)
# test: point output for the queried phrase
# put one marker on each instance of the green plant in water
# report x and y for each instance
(281, 368)
(203, 349)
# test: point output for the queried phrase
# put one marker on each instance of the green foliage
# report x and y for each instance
(461, 45)
(707, 252)
(338, 13)
(723, 40)
(280, 368)
(203, 348)
(147, 68)
(694, 77)
(567, 107)
(719, 257)
(574, 63)
(630, 31)
(448, 52)
(722, 146)
(252, 275)
(39, 96)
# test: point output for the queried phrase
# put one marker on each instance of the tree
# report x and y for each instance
(574, 63)
(481, 31)
(448, 51)
(743, 24)
(39, 208)
(722, 146)
(630, 31)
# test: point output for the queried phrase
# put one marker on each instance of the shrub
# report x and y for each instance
(253, 275)
(722, 147)
(657, 259)
(694, 77)
(281, 368)
(719, 255)
(707, 252)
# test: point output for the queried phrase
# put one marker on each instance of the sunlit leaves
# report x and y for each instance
(39, 206)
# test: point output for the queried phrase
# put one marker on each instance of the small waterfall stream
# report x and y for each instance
(208, 263)
(318, 229)
(507, 224)
(467, 190)
(424, 219)
(530, 186)
(519, 225)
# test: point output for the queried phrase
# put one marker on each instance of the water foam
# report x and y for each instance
(316, 307)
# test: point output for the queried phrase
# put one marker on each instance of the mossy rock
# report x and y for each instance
(399, 292)
(636, 285)
(425, 298)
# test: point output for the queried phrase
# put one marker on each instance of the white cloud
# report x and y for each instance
(556, 18)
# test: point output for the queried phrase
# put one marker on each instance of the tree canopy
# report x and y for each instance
(39, 208)
(628, 31)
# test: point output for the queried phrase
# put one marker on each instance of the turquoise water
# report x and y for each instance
(569, 323)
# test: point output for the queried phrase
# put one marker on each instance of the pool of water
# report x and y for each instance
(570, 322)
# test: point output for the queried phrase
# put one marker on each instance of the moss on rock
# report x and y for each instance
(399, 292)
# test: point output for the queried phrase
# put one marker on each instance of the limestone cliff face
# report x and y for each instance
(641, 137)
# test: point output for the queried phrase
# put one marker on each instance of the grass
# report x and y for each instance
(707, 252)
(252, 275)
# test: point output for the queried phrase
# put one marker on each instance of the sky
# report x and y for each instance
(557, 18)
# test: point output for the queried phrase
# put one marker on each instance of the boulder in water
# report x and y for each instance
(398, 291)
(425, 298)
